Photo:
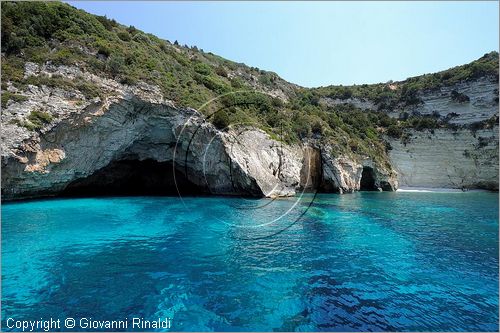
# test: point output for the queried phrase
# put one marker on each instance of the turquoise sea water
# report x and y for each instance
(364, 261)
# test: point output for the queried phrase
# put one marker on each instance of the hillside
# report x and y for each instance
(52, 49)
(62, 35)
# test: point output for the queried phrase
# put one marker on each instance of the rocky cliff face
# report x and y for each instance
(456, 157)
(83, 120)
(448, 158)
(463, 103)
(463, 155)
(134, 139)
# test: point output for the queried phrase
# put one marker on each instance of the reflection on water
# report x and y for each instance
(366, 261)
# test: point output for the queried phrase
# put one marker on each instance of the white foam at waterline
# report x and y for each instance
(436, 190)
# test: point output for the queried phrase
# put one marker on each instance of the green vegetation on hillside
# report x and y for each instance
(6, 96)
(35, 120)
(55, 32)
(40, 32)
(406, 93)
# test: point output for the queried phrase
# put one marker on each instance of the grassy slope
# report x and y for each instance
(56, 32)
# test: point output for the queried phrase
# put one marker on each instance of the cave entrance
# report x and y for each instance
(368, 180)
(133, 177)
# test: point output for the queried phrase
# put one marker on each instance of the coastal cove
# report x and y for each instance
(364, 261)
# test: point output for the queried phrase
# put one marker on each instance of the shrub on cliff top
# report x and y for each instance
(38, 119)
(8, 96)
(394, 131)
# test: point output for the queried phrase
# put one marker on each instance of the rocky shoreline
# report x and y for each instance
(94, 145)
(134, 139)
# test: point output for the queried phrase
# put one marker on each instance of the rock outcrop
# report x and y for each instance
(447, 158)
(462, 156)
(344, 175)
(462, 103)
(132, 137)
(79, 118)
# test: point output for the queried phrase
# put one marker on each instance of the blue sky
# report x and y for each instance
(321, 43)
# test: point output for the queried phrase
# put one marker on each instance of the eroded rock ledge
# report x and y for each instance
(133, 141)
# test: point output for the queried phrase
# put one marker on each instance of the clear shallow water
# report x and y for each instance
(366, 261)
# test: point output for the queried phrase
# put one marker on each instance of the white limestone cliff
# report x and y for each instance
(107, 141)
(460, 157)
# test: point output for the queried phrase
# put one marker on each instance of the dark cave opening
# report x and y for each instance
(133, 177)
(367, 182)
